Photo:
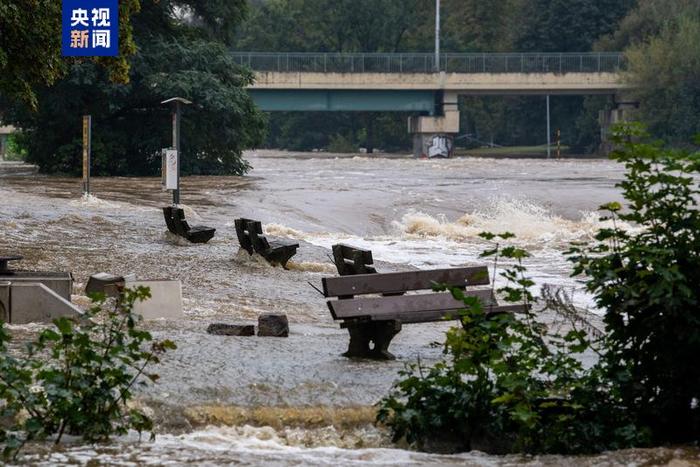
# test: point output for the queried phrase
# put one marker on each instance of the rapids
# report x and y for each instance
(296, 401)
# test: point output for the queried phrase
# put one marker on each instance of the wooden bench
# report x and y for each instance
(377, 319)
(251, 238)
(351, 261)
(175, 220)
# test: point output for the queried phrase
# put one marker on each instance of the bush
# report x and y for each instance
(510, 384)
(648, 282)
(507, 385)
(340, 144)
(77, 376)
(15, 151)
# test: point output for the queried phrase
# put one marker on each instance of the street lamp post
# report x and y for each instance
(176, 115)
(549, 132)
(437, 36)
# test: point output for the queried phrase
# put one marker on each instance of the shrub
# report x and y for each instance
(510, 384)
(340, 144)
(648, 282)
(77, 376)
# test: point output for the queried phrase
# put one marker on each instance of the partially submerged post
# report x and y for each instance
(87, 152)
(177, 103)
(549, 134)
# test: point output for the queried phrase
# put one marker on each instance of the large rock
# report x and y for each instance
(273, 325)
(223, 329)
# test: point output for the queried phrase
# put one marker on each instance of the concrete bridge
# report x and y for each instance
(415, 83)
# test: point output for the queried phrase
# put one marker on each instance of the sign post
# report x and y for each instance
(87, 150)
(176, 114)
(170, 169)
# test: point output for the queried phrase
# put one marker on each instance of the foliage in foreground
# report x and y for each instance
(508, 384)
(648, 282)
(511, 384)
(77, 377)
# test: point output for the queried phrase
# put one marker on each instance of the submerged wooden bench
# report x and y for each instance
(350, 260)
(175, 220)
(251, 238)
(377, 319)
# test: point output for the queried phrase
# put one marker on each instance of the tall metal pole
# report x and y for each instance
(437, 36)
(178, 114)
(87, 152)
(176, 145)
(549, 133)
(176, 103)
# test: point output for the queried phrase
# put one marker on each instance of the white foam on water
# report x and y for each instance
(433, 241)
(245, 445)
(253, 446)
(89, 200)
(531, 223)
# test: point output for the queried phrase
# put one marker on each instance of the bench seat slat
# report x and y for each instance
(378, 308)
(432, 316)
(403, 281)
(282, 244)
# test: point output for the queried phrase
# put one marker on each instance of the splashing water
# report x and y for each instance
(531, 223)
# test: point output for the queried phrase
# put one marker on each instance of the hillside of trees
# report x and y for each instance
(644, 28)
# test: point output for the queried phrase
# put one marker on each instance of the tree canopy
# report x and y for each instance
(30, 47)
(182, 51)
(408, 26)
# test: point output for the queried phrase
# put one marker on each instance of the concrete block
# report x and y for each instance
(165, 301)
(36, 303)
(273, 325)
(60, 282)
(108, 284)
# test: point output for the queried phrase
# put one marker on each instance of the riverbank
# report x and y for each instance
(17, 168)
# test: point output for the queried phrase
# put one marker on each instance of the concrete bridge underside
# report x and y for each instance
(432, 97)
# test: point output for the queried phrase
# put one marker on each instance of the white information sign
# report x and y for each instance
(170, 166)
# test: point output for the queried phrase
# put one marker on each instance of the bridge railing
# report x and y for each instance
(560, 63)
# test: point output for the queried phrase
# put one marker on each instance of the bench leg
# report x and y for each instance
(379, 333)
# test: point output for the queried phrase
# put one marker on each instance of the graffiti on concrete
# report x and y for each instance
(440, 146)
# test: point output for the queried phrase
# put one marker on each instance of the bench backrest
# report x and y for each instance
(181, 225)
(250, 235)
(168, 214)
(396, 282)
(351, 261)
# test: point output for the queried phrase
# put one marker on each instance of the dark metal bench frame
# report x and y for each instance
(252, 239)
(175, 220)
(374, 321)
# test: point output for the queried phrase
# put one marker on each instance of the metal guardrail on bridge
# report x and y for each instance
(560, 63)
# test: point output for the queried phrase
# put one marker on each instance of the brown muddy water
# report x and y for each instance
(296, 401)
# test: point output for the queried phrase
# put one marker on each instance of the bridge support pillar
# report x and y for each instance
(622, 111)
(433, 135)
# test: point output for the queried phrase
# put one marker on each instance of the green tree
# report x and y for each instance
(30, 46)
(665, 76)
(184, 56)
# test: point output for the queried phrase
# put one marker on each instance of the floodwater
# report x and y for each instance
(296, 401)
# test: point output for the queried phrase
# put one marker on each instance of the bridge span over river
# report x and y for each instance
(411, 82)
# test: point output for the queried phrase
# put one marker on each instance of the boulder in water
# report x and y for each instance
(223, 329)
(273, 325)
